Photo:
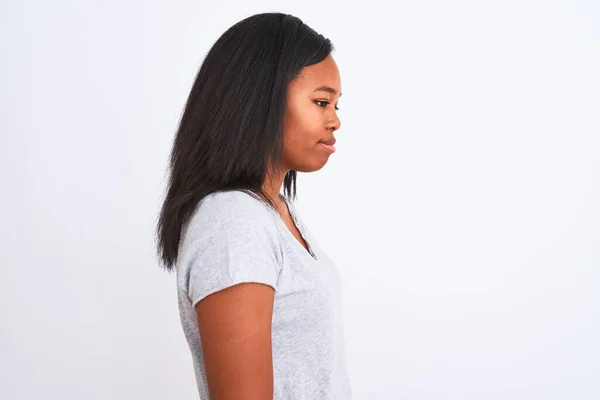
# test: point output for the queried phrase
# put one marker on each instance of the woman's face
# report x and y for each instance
(311, 116)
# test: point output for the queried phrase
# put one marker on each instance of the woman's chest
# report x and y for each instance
(307, 288)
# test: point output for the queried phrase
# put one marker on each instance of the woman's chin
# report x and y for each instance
(316, 165)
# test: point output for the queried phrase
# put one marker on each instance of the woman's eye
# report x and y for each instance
(324, 104)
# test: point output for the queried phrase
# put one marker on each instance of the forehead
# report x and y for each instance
(324, 73)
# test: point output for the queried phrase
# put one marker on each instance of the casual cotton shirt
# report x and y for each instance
(234, 237)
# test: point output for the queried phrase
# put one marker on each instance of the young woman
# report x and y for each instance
(259, 300)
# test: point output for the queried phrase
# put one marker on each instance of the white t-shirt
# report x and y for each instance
(234, 237)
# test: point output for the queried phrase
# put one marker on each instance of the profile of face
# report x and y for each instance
(311, 117)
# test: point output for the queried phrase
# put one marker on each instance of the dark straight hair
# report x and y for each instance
(231, 129)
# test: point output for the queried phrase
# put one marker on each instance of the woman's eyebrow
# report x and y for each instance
(327, 89)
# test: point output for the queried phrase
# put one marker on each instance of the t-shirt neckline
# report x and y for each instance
(310, 252)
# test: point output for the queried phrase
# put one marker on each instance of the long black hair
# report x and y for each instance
(232, 126)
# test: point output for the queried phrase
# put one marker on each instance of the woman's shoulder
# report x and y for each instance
(238, 202)
(233, 211)
(229, 223)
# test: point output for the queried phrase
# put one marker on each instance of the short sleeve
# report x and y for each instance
(232, 239)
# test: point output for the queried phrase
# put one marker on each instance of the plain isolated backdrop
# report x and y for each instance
(462, 207)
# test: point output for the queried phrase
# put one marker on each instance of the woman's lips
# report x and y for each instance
(329, 147)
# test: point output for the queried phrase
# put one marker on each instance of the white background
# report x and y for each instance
(462, 207)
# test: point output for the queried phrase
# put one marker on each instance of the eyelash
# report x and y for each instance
(326, 102)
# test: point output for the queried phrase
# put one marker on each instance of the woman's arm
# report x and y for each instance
(235, 330)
